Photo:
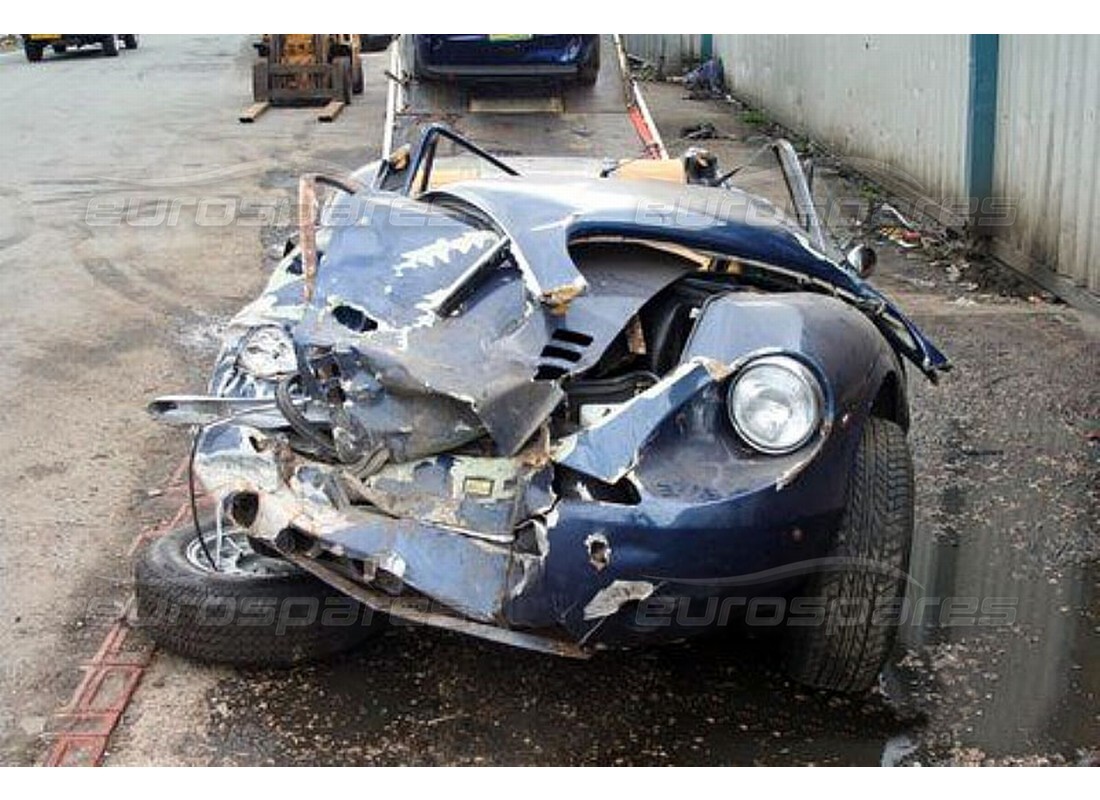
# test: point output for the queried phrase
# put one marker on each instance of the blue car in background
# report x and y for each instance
(568, 56)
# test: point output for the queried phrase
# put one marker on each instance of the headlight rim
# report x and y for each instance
(241, 359)
(798, 367)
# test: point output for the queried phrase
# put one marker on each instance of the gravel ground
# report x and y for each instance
(1007, 480)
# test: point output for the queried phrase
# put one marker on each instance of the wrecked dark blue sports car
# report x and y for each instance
(545, 404)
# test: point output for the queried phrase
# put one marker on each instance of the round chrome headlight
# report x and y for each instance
(775, 404)
(268, 352)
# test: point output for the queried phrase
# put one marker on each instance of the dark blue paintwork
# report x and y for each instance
(494, 55)
(711, 514)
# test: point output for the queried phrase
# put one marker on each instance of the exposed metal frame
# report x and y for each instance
(423, 159)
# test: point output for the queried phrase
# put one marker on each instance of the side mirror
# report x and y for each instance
(862, 260)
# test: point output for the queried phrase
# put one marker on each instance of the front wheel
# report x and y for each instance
(862, 586)
(33, 51)
(110, 45)
(341, 79)
(232, 605)
(261, 84)
(130, 41)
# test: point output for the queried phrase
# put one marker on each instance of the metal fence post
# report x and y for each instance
(706, 46)
(981, 124)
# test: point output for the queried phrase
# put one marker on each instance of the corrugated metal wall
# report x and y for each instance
(900, 102)
(897, 100)
(669, 52)
(1047, 155)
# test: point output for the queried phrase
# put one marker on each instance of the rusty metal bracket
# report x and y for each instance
(307, 221)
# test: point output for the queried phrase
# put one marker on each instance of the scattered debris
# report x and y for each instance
(707, 80)
(644, 70)
(700, 131)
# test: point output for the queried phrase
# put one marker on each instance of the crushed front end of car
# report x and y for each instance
(548, 411)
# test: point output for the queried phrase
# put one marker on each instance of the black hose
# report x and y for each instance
(298, 422)
(194, 503)
(619, 387)
(371, 462)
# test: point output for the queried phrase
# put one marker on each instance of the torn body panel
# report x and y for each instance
(609, 449)
(465, 571)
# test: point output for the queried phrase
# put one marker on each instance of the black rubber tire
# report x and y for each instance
(341, 79)
(110, 45)
(274, 620)
(130, 41)
(848, 650)
(261, 85)
(356, 75)
(33, 51)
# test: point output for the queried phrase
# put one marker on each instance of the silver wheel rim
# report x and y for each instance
(235, 556)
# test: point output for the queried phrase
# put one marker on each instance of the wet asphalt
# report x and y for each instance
(1008, 529)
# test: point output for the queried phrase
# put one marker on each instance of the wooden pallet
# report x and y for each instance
(253, 111)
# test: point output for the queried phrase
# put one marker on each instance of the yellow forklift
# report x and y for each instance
(306, 69)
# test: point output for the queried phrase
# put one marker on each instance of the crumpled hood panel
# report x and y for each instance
(531, 318)
(372, 309)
